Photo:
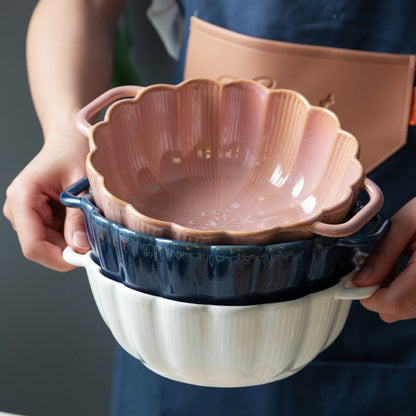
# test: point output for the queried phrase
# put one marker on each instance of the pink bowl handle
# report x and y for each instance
(95, 106)
(358, 220)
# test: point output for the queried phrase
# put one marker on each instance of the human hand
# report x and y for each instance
(44, 226)
(396, 298)
(69, 53)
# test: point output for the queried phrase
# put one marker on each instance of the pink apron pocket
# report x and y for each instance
(370, 92)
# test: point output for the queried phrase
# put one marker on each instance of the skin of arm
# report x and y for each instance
(69, 60)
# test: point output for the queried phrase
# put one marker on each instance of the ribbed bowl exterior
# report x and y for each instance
(222, 275)
(219, 346)
(212, 274)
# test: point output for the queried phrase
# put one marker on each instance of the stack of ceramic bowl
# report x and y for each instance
(225, 223)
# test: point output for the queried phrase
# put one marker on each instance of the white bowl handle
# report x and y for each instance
(95, 106)
(76, 259)
(347, 291)
(358, 220)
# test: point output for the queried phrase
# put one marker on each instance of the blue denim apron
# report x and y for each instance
(371, 368)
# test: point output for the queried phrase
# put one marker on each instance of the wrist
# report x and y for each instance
(64, 132)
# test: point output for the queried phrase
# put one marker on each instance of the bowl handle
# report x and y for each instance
(358, 220)
(76, 259)
(95, 106)
(366, 240)
(69, 196)
(347, 290)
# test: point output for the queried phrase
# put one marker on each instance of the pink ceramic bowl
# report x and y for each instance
(232, 163)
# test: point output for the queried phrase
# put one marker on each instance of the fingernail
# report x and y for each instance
(362, 275)
(80, 239)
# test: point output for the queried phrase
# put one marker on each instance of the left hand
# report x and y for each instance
(395, 300)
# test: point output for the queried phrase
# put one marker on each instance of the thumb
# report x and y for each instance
(74, 231)
(383, 257)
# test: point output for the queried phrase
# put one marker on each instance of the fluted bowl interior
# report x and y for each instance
(232, 163)
(220, 346)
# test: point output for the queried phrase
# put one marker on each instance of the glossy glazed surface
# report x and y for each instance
(232, 163)
(224, 275)
(220, 346)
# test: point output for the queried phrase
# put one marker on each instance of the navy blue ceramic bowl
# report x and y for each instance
(218, 274)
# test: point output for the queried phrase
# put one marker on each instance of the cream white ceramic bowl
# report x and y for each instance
(232, 163)
(220, 346)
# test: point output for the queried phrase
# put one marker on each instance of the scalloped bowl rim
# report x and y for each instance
(286, 245)
(347, 195)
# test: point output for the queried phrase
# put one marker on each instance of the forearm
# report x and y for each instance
(69, 57)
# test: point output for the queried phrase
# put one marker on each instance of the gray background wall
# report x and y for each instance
(55, 351)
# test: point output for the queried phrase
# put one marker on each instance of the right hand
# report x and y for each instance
(43, 225)
(396, 298)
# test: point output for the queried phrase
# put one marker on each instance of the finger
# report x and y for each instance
(384, 256)
(390, 277)
(74, 231)
(398, 300)
(34, 239)
(8, 213)
(52, 214)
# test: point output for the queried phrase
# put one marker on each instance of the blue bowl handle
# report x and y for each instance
(369, 238)
(69, 196)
